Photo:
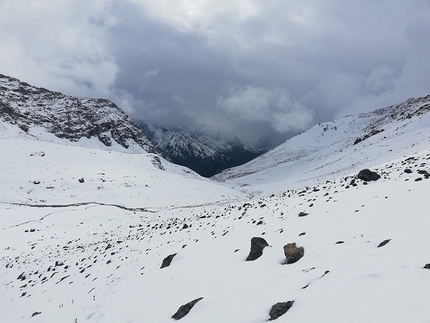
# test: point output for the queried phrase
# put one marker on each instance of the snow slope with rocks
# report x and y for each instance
(85, 231)
(337, 148)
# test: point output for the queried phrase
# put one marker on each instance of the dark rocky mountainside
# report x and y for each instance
(204, 155)
(68, 117)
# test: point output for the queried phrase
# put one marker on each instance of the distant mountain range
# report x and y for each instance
(205, 155)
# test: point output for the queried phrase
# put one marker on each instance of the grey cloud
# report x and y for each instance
(173, 63)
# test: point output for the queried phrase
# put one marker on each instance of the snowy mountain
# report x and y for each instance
(204, 155)
(336, 148)
(96, 235)
(38, 111)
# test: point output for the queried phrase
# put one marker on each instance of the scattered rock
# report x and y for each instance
(167, 260)
(81, 180)
(185, 309)
(279, 309)
(257, 246)
(36, 313)
(427, 266)
(340, 242)
(301, 214)
(408, 171)
(367, 175)
(293, 253)
(418, 179)
(383, 243)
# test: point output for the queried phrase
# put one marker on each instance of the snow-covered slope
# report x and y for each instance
(365, 249)
(38, 172)
(45, 114)
(85, 231)
(336, 148)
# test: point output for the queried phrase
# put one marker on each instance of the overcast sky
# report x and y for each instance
(248, 67)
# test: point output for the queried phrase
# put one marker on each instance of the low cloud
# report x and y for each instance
(273, 106)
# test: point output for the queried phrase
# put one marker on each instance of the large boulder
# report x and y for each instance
(367, 175)
(257, 246)
(293, 253)
(185, 309)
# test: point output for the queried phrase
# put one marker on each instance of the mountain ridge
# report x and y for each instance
(205, 155)
(339, 143)
(68, 117)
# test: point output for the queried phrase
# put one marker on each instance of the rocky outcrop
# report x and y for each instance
(257, 246)
(68, 117)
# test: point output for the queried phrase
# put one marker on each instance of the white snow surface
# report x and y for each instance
(91, 252)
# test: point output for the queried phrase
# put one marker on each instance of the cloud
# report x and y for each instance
(203, 16)
(294, 63)
(274, 106)
(58, 44)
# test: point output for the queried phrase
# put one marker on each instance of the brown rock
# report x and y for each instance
(293, 253)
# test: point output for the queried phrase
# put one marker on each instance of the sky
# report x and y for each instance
(245, 68)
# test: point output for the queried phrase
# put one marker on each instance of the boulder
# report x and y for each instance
(185, 309)
(383, 243)
(367, 175)
(167, 260)
(279, 309)
(257, 246)
(293, 253)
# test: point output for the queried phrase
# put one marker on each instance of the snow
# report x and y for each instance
(109, 234)
(327, 150)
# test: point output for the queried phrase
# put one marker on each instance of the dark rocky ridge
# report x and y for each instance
(68, 117)
(204, 155)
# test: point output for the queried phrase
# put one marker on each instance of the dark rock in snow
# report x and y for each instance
(36, 313)
(279, 309)
(81, 180)
(301, 214)
(367, 175)
(427, 266)
(293, 253)
(407, 171)
(257, 246)
(185, 309)
(167, 260)
(383, 243)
